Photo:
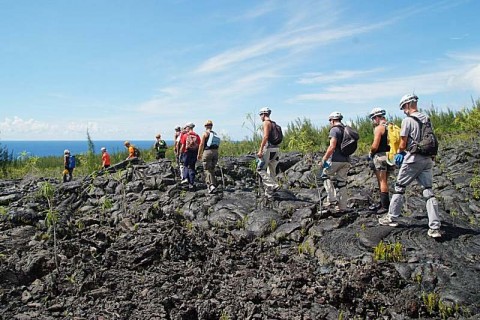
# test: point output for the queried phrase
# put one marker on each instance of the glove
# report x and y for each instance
(399, 158)
(260, 163)
(371, 165)
(325, 164)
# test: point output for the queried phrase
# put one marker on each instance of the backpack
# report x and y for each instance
(427, 145)
(71, 162)
(213, 141)
(161, 145)
(393, 137)
(191, 142)
(349, 141)
(136, 152)
(276, 135)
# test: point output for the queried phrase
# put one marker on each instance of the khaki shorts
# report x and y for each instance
(380, 162)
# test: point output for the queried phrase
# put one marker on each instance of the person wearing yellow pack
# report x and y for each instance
(393, 142)
(378, 158)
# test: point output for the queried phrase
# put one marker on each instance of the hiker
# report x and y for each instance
(190, 142)
(160, 147)
(413, 166)
(131, 150)
(267, 155)
(335, 168)
(68, 166)
(178, 150)
(208, 153)
(378, 159)
(105, 158)
(176, 140)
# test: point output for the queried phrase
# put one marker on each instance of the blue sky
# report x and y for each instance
(127, 69)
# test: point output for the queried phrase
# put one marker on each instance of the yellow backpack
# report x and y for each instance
(393, 141)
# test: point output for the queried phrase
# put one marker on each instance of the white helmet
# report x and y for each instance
(335, 116)
(265, 110)
(177, 128)
(66, 151)
(103, 149)
(407, 98)
(377, 112)
(189, 125)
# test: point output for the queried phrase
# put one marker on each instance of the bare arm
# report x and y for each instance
(267, 125)
(330, 149)
(377, 136)
(403, 144)
(202, 145)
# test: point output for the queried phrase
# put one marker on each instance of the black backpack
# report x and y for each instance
(349, 141)
(136, 152)
(276, 135)
(427, 145)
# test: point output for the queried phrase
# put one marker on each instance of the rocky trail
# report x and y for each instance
(134, 244)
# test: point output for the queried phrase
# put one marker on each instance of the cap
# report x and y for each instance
(209, 123)
(189, 125)
(126, 143)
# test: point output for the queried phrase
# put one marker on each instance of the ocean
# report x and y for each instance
(56, 148)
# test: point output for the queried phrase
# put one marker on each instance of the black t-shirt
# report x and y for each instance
(337, 132)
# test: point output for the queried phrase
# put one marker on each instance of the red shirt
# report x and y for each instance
(105, 159)
(183, 140)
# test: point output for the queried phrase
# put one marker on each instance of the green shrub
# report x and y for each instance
(300, 135)
(388, 252)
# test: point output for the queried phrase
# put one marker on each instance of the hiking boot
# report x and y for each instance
(382, 211)
(434, 233)
(184, 181)
(374, 207)
(387, 220)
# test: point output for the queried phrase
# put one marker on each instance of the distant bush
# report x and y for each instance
(300, 135)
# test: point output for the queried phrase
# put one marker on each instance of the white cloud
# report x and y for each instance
(336, 76)
(34, 129)
(427, 83)
(297, 39)
(30, 126)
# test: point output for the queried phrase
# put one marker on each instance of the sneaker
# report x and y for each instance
(387, 220)
(375, 207)
(211, 189)
(330, 209)
(434, 233)
(184, 181)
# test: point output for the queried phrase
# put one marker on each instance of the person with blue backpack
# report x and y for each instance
(208, 153)
(69, 165)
